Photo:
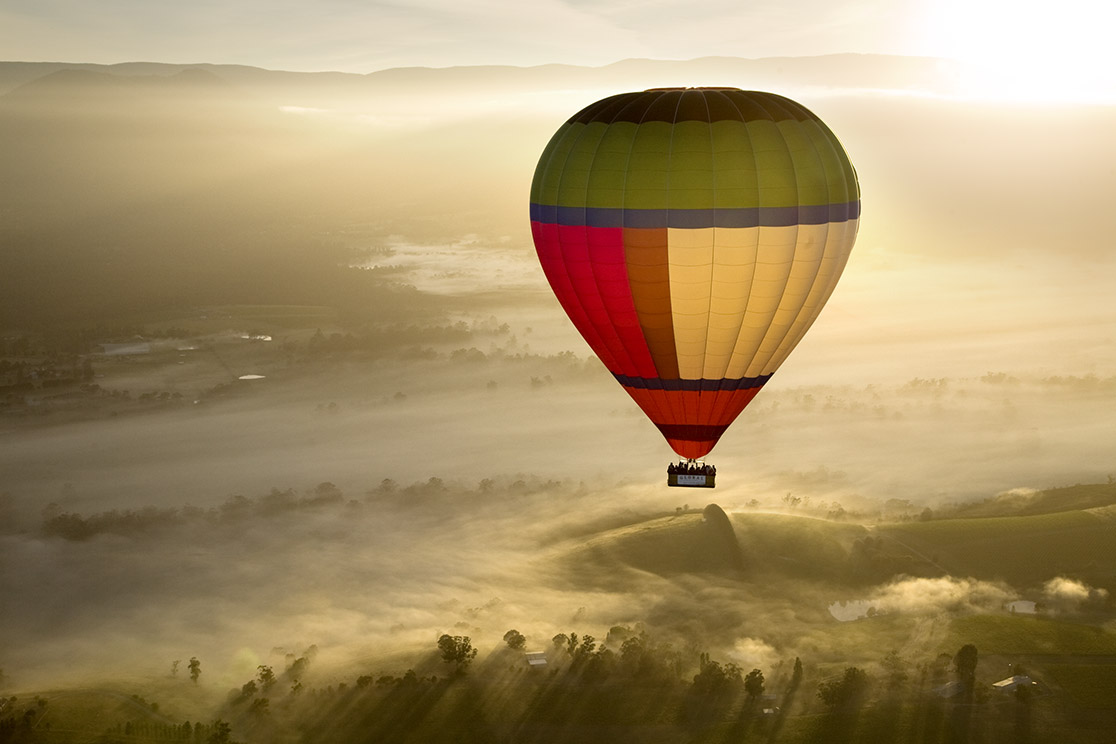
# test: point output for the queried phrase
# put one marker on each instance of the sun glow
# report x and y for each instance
(1028, 50)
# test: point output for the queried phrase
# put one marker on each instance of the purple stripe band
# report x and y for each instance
(816, 214)
(655, 383)
(692, 432)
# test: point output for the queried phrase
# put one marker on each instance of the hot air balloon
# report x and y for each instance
(693, 235)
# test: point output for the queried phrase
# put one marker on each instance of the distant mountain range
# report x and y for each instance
(842, 71)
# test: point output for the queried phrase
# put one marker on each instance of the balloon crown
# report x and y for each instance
(691, 87)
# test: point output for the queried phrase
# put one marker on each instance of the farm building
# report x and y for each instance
(1011, 684)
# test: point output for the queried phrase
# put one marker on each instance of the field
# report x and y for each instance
(1088, 686)
(1013, 635)
(1024, 551)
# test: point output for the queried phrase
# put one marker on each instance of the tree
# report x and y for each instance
(1023, 704)
(598, 665)
(266, 676)
(753, 683)
(713, 677)
(457, 650)
(896, 669)
(712, 692)
(515, 639)
(965, 662)
(220, 733)
(636, 655)
(847, 692)
(298, 667)
(195, 669)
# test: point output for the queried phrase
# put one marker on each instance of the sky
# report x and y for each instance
(1013, 45)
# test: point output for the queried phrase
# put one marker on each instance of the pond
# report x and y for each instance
(853, 609)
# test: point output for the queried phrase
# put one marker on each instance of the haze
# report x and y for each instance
(1023, 49)
(334, 403)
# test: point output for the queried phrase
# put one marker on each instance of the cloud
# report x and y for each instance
(753, 653)
(1018, 495)
(952, 594)
(1067, 594)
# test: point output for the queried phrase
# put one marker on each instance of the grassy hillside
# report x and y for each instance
(1067, 532)
(772, 544)
(1092, 687)
(1024, 551)
(1029, 635)
(682, 543)
(1049, 501)
(767, 546)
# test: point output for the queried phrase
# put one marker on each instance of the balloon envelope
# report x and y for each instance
(692, 236)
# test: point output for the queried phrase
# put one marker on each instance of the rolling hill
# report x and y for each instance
(1067, 531)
